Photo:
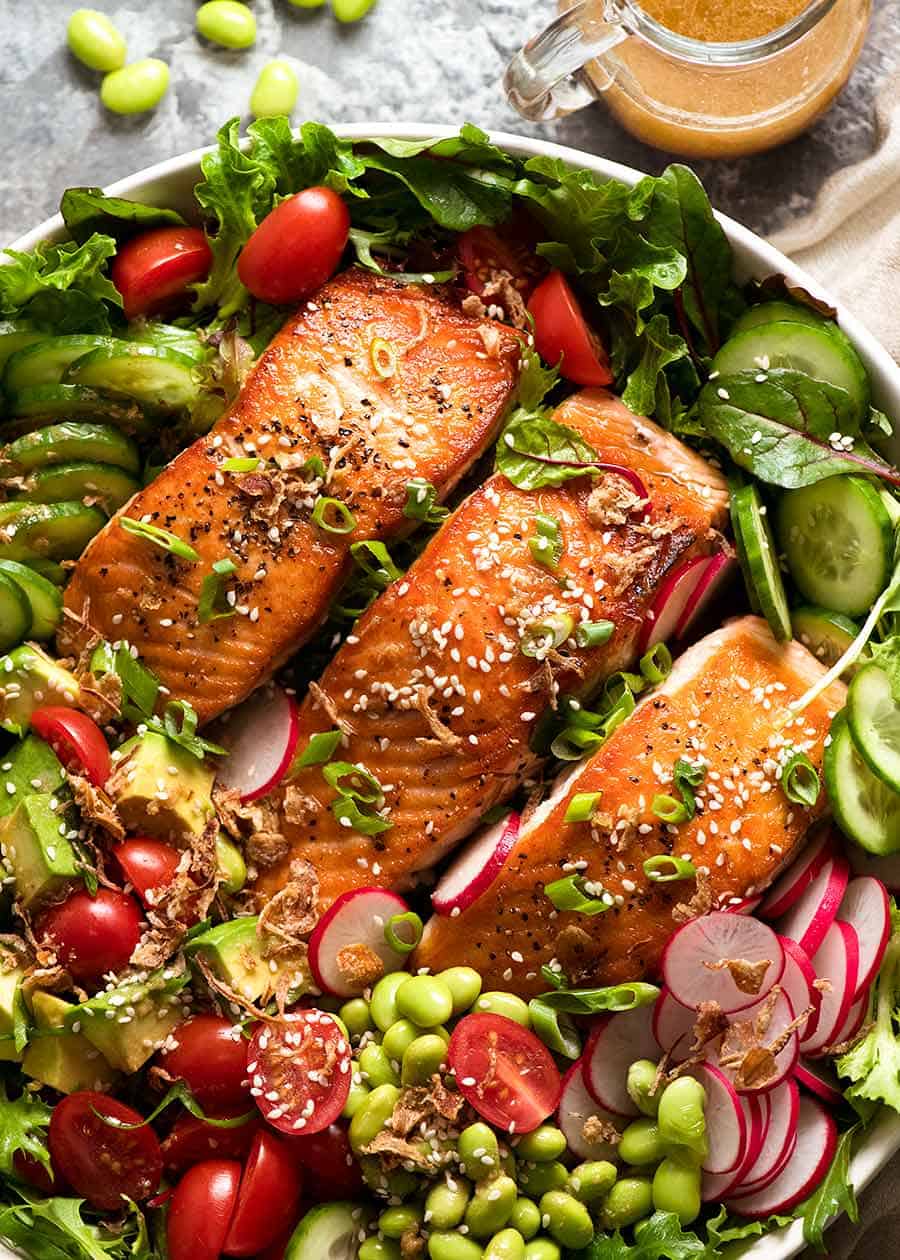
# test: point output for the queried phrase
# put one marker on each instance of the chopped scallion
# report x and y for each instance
(333, 516)
(572, 893)
(406, 943)
(421, 502)
(581, 807)
(211, 605)
(159, 537)
(321, 748)
(668, 809)
(242, 465)
(656, 665)
(361, 785)
(800, 780)
(594, 633)
(546, 546)
(348, 813)
(664, 868)
(541, 637)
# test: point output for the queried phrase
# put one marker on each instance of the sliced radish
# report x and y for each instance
(791, 886)
(261, 737)
(615, 1043)
(743, 905)
(476, 868)
(357, 918)
(816, 1143)
(690, 963)
(837, 962)
(726, 1122)
(813, 913)
(671, 600)
(779, 1139)
(854, 1021)
(715, 577)
(820, 1078)
(673, 1026)
(867, 907)
(716, 1186)
(798, 981)
(780, 1016)
(887, 869)
(575, 1107)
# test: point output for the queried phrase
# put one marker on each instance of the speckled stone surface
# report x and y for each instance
(411, 60)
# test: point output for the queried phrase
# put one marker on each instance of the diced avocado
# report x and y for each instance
(160, 789)
(65, 1061)
(30, 766)
(39, 857)
(130, 1022)
(28, 679)
(233, 952)
(13, 1011)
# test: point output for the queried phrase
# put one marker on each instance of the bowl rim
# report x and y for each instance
(754, 256)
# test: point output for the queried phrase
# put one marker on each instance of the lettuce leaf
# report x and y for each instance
(873, 1064)
(23, 1127)
(89, 210)
(55, 1229)
(61, 286)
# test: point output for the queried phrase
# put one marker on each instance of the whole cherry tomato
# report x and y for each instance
(76, 739)
(154, 270)
(210, 1055)
(296, 248)
(92, 935)
(147, 864)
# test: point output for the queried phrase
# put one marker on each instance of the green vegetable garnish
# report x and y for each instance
(321, 748)
(571, 893)
(421, 503)
(333, 516)
(546, 546)
(664, 868)
(581, 807)
(800, 780)
(211, 605)
(159, 537)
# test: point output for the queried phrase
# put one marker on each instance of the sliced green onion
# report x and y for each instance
(179, 723)
(313, 467)
(321, 748)
(242, 464)
(333, 516)
(210, 606)
(546, 546)
(573, 743)
(622, 683)
(375, 561)
(556, 979)
(555, 1028)
(594, 633)
(403, 944)
(421, 502)
(139, 684)
(543, 636)
(664, 868)
(162, 538)
(656, 665)
(348, 814)
(581, 807)
(363, 786)
(571, 893)
(668, 809)
(615, 998)
(384, 358)
(800, 780)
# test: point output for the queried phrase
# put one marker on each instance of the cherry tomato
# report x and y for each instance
(76, 739)
(330, 1170)
(268, 1199)
(562, 332)
(304, 1059)
(147, 864)
(101, 1162)
(92, 935)
(515, 1078)
(483, 252)
(296, 248)
(201, 1209)
(193, 1140)
(211, 1056)
(153, 270)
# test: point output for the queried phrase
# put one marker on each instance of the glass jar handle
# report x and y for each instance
(543, 81)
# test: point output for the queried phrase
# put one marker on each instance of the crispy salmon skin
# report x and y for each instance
(441, 685)
(725, 707)
(377, 383)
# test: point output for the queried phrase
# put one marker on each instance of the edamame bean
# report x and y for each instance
(452, 1247)
(479, 1152)
(371, 1118)
(526, 1218)
(356, 1017)
(231, 864)
(423, 1057)
(507, 1245)
(542, 1249)
(592, 1180)
(491, 1206)
(641, 1144)
(681, 1117)
(395, 1221)
(275, 91)
(676, 1188)
(398, 1037)
(359, 1092)
(566, 1220)
(135, 88)
(446, 1203)
(465, 985)
(351, 10)
(641, 1083)
(629, 1200)
(426, 1000)
(504, 1004)
(227, 22)
(375, 1067)
(542, 1144)
(537, 1179)
(383, 1003)
(95, 41)
(379, 1249)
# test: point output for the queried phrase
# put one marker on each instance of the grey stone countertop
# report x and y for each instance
(409, 60)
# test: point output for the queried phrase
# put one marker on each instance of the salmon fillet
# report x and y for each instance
(380, 381)
(722, 705)
(432, 691)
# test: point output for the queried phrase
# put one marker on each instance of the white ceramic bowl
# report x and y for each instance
(170, 184)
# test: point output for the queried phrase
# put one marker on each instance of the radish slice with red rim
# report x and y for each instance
(813, 913)
(837, 962)
(671, 600)
(476, 868)
(575, 1107)
(790, 886)
(798, 981)
(866, 906)
(261, 737)
(673, 1026)
(715, 1186)
(854, 1021)
(777, 1010)
(717, 574)
(816, 1144)
(692, 960)
(887, 868)
(726, 1122)
(744, 905)
(615, 1043)
(820, 1078)
(358, 917)
(780, 1136)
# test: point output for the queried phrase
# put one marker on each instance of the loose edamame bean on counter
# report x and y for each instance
(227, 22)
(351, 10)
(508, 1004)
(135, 88)
(383, 1003)
(426, 1000)
(642, 1087)
(465, 985)
(275, 91)
(95, 41)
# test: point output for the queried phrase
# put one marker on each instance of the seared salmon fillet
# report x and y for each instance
(375, 381)
(724, 706)
(433, 691)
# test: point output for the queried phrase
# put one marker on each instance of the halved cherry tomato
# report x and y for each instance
(504, 1071)
(268, 1199)
(209, 1053)
(153, 270)
(330, 1169)
(76, 739)
(147, 864)
(562, 332)
(193, 1140)
(92, 935)
(201, 1209)
(296, 248)
(483, 252)
(100, 1161)
(304, 1060)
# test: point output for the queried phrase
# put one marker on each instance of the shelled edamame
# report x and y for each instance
(275, 91)
(228, 23)
(135, 88)
(96, 41)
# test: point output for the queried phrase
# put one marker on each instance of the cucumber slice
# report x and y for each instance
(838, 539)
(867, 810)
(153, 375)
(874, 719)
(103, 483)
(43, 597)
(39, 402)
(48, 531)
(778, 313)
(328, 1232)
(15, 614)
(170, 337)
(15, 334)
(759, 561)
(49, 569)
(44, 362)
(821, 352)
(71, 441)
(826, 634)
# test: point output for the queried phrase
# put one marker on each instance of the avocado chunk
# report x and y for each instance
(31, 766)
(233, 952)
(13, 1011)
(40, 858)
(30, 678)
(160, 789)
(64, 1061)
(130, 1022)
